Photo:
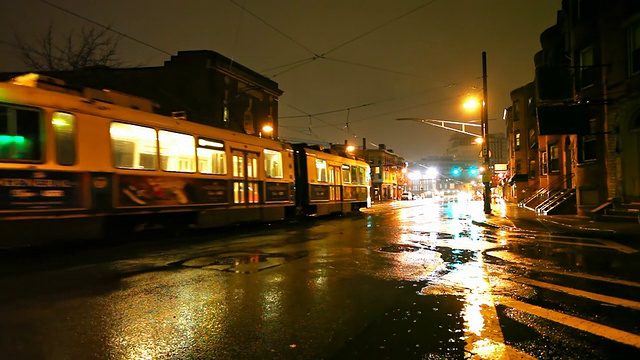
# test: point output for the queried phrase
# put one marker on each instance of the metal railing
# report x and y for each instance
(544, 192)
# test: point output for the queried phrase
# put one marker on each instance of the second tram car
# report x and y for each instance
(73, 166)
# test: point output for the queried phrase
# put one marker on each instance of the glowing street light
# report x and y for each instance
(267, 130)
(471, 103)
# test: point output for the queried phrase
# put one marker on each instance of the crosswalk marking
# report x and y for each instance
(574, 322)
(592, 277)
(586, 294)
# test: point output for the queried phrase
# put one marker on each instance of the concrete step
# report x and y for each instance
(618, 217)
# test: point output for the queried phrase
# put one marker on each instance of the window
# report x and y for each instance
(355, 175)
(238, 165)
(211, 157)
(516, 110)
(133, 146)
(587, 70)
(634, 48)
(554, 158)
(589, 143)
(346, 174)
(532, 169)
(321, 170)
(177, 151)
(544, 166)
(516, 140)
(273, 164)
(589, 148)
(64, 129)
(20, 134)
(532, 138)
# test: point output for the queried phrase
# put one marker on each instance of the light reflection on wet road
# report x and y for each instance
(406, 280)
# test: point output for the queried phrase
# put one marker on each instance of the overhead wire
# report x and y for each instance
(105, 27)
(378, 27)
(274, 28)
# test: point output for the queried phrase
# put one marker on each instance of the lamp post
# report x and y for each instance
(486, 176)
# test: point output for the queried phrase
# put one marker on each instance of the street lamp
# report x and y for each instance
(483, 141)
(486, 176)
(267, 130)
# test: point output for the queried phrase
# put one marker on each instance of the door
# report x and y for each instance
(246, 184)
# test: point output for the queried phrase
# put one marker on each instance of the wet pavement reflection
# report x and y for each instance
(404, 280)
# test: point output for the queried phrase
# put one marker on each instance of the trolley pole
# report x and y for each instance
(486, 176)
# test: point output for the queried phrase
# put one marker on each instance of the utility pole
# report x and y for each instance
(486, 176)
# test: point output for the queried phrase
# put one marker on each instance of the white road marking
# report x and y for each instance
(585, 294)
(574, 322)
(591, 277)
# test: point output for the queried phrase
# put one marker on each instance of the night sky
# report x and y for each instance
(360, 63)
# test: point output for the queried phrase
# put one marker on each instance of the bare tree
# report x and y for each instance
(76, 50)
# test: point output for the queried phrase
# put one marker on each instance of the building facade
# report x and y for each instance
(587, 109)
(388, 172)
(201, 86)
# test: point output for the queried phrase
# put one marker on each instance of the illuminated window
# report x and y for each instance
(238, 193)
(273, 164)
(177, 151)
(516, 140)
(238, 166)
(64, 129)
(133, 146)
(211, 157)
(252, 166)
(346, 174)
(321, 170)
(20, 134)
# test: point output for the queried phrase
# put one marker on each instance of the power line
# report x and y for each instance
(378, 27)
(274, 28)
(105, 27)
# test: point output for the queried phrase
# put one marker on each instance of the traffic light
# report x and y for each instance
(455, 171)
(473, 171)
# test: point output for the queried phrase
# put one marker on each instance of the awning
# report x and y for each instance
(518, 178)
(563, 119)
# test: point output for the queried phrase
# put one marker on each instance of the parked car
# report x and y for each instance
(407, 195)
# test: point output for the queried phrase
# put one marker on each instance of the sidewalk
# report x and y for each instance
(505, 215)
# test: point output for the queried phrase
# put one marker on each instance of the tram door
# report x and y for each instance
(246, 187)
(334, 183)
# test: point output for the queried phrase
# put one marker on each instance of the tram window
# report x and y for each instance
(64, 129)
(321, 170)
(355, 179)
(212, 161)
(177, 151)
(20, 134)
(238, 166)
(273, 164)
(362, 176)
(346, 174)
(133, 146)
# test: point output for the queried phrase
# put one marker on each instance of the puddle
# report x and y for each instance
(398, 248)
(245, 263)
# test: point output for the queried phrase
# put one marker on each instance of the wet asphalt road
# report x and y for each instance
(405, 280)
